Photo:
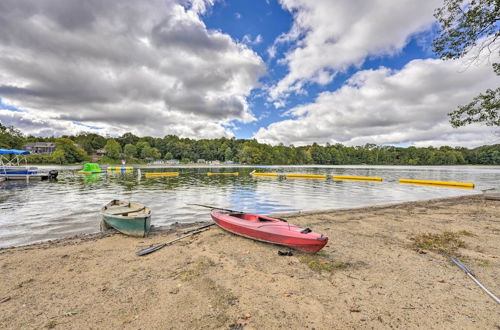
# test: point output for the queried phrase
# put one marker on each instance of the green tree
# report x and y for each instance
(11, 137)
(464, 25)
(128, 138)
(140, 146)
(113, 149)
(150, 153)
(168, 156)
(59, 157)
(130, 150)
(68, 152)
(90, 141)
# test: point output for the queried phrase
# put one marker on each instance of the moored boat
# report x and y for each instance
(14, 166)
(133, 219)
(270, 230)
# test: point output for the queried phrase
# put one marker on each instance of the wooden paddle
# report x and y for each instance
(152, 249)
(215, 208)
(218, 208)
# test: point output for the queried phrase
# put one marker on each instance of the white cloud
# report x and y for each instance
(247, 39)
(390, 107)
(150, 67)
(330, 36)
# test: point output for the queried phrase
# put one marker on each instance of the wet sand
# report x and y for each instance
(370, 275)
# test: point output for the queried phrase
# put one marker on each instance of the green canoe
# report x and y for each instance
(131, 219)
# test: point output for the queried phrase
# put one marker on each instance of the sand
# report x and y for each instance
(370, 275)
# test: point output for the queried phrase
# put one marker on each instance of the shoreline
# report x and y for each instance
(370, 275)
(175, 227)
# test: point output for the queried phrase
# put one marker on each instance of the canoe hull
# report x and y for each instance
(269, 230)
(136, 223)
(132, 227)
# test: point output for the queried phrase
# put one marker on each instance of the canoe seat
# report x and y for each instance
(127, 211)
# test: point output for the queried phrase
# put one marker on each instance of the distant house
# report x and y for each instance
(201, 160)
(215, 162)
(173, 161)
(100, 152)
(157, 162)
(229, 162)
(40, 147)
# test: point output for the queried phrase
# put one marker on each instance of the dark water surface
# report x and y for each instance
(36, 211)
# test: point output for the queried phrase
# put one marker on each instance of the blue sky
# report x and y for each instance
(287, 71)
(267, 19)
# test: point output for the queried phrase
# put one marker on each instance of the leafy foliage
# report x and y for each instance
(10, 137)
(483, 109)
(253, 152)
(113, 149)
(67, 152)
(464, 25)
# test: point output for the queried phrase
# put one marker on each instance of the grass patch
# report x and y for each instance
(20, 285)
(200, 266)
(51, 325)
(484, 262)
(446, 243)
(465, 233)
(321, 262)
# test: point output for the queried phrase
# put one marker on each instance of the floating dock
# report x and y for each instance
(223, 173)
(361, 178)
(158, 174)
(439, 183)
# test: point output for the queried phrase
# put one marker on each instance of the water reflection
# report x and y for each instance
(45, 210)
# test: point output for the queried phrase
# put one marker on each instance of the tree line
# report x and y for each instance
(135, 149)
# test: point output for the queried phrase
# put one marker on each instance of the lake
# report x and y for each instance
(37, 211)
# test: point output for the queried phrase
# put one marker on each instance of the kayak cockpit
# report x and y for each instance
(251, 217)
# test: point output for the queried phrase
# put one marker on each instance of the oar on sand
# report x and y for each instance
(152, 249)
(469, 273)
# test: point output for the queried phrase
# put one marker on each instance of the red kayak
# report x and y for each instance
(270, 230)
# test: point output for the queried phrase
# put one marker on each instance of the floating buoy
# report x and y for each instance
(223, 173)
(438, 183)
(86, 172)
(309, 176)
(128, 168)
(266, 174)
(362, 178)
(157, 174)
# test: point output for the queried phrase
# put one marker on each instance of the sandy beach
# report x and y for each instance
(384, 267)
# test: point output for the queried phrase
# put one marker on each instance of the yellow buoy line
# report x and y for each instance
(267, 174)
(357, 178)
(318, 176)
(438, 183)
(158, 174)
(366, 178)
(306, 176)
(120, 168)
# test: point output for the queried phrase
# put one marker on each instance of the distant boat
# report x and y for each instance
(270, 230)
(15, 167)
(131, 219)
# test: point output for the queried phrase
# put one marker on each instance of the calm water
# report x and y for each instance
(37, 211)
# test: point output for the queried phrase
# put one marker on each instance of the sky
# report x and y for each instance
(279, 71)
